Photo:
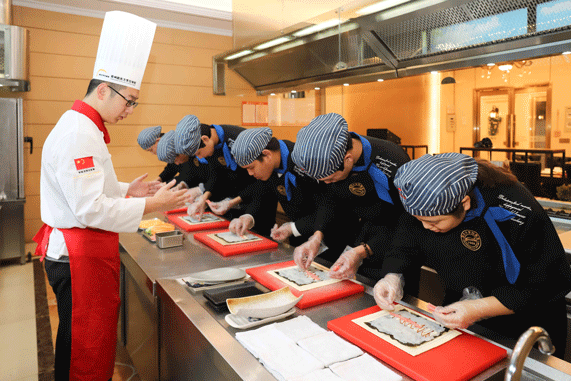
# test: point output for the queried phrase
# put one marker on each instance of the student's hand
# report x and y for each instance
(467, 312)
(304, 254)
(240, 225)
(139, 188)
(197, 208)
(346, 266)
(388, 290)
(194, 193)
(220, 207)
(282, 232)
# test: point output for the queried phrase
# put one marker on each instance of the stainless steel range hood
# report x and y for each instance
(414, 37)
(13, 52)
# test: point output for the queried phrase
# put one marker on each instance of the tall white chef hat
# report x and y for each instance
(124, 48)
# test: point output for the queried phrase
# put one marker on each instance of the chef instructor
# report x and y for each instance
(84, 206)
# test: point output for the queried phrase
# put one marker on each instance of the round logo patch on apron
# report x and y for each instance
(196, 162)
(221, 160)
(471, 240)
(282, 190)
(357, 189)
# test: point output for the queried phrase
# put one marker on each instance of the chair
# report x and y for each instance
(529, 174)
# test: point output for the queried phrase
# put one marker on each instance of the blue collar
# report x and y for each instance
(366, 152)
(491, 215)
(284, 156)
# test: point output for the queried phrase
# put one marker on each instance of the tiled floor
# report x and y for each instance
(18, 340)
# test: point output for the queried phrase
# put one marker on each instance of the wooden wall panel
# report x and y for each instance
(177, 82)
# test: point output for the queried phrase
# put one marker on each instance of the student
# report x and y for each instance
(84, 206)
(358, 171)
(148, 140)
(488, 239)
(225, 178)
(268, 160)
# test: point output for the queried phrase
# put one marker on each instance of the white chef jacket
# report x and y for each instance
(88, 197)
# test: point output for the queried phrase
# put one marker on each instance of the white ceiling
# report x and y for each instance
(196, 15)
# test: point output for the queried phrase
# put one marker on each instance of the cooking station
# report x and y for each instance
(171, 333)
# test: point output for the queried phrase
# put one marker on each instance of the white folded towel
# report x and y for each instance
(299, 328)
(330, 348)
(289, 361)
(364, 368)
(319, 375)
(263, 339)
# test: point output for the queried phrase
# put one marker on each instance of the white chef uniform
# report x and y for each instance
(89, 197)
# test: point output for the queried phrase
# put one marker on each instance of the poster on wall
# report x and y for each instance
(254, 113)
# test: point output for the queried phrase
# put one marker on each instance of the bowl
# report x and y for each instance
(265, 305)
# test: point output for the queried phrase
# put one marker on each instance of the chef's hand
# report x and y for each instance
(388, 290)
(282, 232)
(165, 199)
(304, 254)
(240, 225)
(194, 193)
(467, 312)
(346, 266)
(138, 188)
(197, 208)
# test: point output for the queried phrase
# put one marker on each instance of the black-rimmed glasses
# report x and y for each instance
(130, 103)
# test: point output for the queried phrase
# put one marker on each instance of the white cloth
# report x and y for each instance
(263, 339)
(318, 375)
(299, 328)
(364, 368)
(73, 198)
(329, 348)
(289, 361)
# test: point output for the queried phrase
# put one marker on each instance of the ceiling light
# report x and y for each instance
(381, 6)
(345, 84)
(273, 94)
(491, 64)
(316, 28)
(269, 44)
(239, 54)
(380, 80)
(433, 72)
(566, 53)
(505, 67)
(293, 91)
(317, 88)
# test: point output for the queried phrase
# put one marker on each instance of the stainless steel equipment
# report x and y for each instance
(12, 197)
(13, 52)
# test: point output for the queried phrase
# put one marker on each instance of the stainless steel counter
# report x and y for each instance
(172, 334)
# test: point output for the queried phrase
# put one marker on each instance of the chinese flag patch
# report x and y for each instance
(84, 163)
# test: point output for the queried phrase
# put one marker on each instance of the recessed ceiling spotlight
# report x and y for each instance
(317, 88)
(380, 80)
(345, 84)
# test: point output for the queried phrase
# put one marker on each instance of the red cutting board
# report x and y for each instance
(462, 358)
(241, 248)
(174, 218)
(310, 298)
(179, 210)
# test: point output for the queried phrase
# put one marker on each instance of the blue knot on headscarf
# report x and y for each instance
(289, 178)
(202, 160)
(230, 162)
(379, 177)
(493, 214)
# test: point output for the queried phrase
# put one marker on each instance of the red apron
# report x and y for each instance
(95, 265)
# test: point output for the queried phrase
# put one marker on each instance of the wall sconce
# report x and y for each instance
(494, 120)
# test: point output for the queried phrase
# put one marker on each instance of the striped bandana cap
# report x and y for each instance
(149, 136)
(165, 148)
(435, 185)
(321, 146)
(249, 145)
(187, 137)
